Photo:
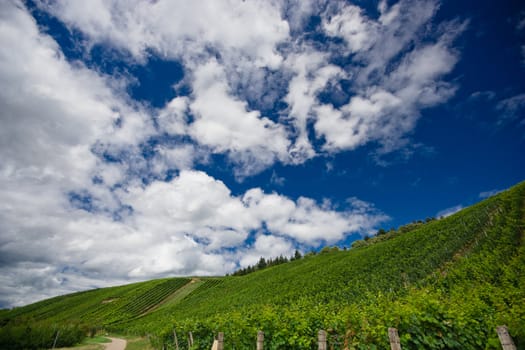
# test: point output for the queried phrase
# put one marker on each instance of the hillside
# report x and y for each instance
(446, 284)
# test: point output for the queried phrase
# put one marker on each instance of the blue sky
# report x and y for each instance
(143, 139)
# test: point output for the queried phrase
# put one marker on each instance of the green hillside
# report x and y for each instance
(445, 284)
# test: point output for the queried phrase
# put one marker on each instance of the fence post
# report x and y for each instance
(260, 340)
(220, 341)
(505, 339)
(175, 339)
(190, 340)
(321, 336)
(395, 344)
(56, 338)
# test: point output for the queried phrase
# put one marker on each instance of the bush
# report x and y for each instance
(33, 336)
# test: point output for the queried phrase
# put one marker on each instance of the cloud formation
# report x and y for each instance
(99, 189)
(396, 65)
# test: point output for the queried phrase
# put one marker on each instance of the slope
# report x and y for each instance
(101, 306)
(476, 252)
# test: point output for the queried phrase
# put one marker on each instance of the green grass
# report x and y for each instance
(90, 343)
(84, 347)
(443, 284)
(135, 343)
(96, 340)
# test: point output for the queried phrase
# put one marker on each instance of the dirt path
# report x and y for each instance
(116, 344)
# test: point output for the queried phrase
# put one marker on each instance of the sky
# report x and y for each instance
(145, 139)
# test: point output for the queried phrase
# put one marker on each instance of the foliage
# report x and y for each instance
(39, 335)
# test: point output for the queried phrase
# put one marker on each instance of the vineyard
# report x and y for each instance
(446, 284)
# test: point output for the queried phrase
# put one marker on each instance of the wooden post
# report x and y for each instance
(260, 340)
(190, 340)
(395, 344)
(220, 341)
(505, 339)
(56, 338)
(175, 340)
(321, 336)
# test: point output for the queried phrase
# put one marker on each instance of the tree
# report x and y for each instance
(261, 264)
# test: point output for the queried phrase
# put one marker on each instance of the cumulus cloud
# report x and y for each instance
(223, 123)
(307, 222)
(393, 55)
(265, 246)
(177, 29)
(52, 114)
(387, 104)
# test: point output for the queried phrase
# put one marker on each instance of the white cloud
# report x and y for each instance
(403, 27)
(223, 123)
(297, 12)
(53, 113)
(311, 74)
(488, 95)
(265, 246)
(449, 211)
(172, 119)
(179, 28)
(510, 109)
(243, 34)
(237, 59)
(487, 194)
(387, 104)
(363, 119)
(349, 23)
(180, 157)
(276, 179)
(307, 222)
(189, 204)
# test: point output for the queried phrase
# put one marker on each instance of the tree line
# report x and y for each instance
(264, 263)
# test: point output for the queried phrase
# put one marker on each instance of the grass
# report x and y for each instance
(91, 343)
(85, 347)
(96, 343)
(138, 344)
(97, 340)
